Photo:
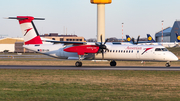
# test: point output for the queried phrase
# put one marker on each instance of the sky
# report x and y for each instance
(140, 17)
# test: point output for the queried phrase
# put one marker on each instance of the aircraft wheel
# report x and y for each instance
(167, 65)
(78, 64)
(113, 63)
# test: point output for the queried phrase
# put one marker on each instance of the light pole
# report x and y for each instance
(162, 32)
(122, 32)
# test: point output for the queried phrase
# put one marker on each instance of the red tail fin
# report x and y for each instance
(29, 31)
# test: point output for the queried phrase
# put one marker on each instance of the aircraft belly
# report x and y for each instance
(70, 54)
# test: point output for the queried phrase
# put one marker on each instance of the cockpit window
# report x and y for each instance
(158, 49)
(161, 49)
(164, 49)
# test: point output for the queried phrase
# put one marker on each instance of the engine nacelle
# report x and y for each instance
(82, 49)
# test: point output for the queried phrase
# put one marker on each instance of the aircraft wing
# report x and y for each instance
(64, 42)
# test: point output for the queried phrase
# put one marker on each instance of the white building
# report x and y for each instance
(9, 44)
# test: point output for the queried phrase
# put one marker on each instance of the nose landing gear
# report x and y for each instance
(168, 64)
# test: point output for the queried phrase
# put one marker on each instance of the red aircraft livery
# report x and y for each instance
(82, 49)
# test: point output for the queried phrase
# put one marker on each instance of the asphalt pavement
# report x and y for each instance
(89, 67)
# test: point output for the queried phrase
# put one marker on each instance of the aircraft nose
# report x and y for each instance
(171, 57)
(174, 58)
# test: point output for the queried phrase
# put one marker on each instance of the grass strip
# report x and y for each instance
(77, 85)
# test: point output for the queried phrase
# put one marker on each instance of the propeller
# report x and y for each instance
(102, 47)
(137, 40)
(132, 40)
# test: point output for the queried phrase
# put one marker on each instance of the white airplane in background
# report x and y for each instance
(151, 41)
(90, 51)
(165, 44)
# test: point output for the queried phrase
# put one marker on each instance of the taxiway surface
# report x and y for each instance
(90, 67)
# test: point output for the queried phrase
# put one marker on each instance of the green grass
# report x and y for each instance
(175, 50)
(77, 85)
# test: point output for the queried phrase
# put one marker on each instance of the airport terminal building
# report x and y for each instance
(169, 34)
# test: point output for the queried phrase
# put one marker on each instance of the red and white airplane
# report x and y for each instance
(90, 51)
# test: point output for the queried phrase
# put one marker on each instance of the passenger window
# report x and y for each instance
(132, 51)
(110, 50)
(121, 51)
(113, 51)
(126, 51)
(116, 51)
(137, 51)
(129, 51)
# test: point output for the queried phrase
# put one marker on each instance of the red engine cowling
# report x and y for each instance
(82, 49)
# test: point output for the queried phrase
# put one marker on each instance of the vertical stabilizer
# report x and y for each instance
(150, 39)
(128, 39)
(29, 31)
(178, 37)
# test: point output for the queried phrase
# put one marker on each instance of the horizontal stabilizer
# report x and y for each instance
(24, 17)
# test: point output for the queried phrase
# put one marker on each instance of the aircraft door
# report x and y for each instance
(137, 54)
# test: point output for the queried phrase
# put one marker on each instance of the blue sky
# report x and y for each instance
(140, 17)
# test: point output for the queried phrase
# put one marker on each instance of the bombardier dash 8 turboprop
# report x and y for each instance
(90, 51)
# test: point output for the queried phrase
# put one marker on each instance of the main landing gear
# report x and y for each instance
(113, 63)
(79, 63)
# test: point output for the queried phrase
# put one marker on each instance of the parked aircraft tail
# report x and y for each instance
(29, 31)
(178, 37)
(150, 38)
(128, 39)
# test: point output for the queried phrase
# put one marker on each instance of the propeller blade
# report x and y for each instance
(138, 39)
(101, 39)
(102, 54)
(107, 49)
(100, 50)
(132, 40)
(106, 41)
(97, 43)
